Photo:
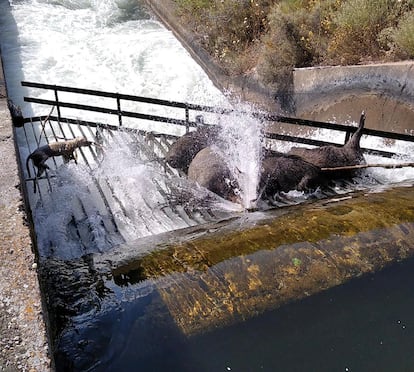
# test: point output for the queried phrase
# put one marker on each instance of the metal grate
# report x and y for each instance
(98, 203)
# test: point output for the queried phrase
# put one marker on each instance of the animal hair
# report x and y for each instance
(63, 148)
(333, 156)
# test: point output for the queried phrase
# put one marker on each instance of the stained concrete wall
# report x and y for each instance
(392, 79)
(325, 86)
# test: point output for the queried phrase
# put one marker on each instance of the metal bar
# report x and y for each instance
(118, 104)
(57, 103)
(28, 170)
(304, 140)
(54, 160)
(187, 120)
(186, 106)
(347, 136)
(127, 97)
(286, 120)
(275, 136)
(104, 110)
(71, 105)
(105, 94)
(308, 141)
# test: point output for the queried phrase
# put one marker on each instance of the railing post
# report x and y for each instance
(187, 119)
(57, 102)
(118, 103)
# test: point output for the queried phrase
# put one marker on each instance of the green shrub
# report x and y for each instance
(280, 51)
(193, 6)
(359, 29)
(227, 28)
(404, 35)
(297, 36)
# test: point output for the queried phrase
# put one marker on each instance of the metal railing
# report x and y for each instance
(187, 123)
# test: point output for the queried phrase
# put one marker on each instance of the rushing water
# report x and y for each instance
(116, 46)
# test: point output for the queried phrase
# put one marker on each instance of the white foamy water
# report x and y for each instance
(104, 45)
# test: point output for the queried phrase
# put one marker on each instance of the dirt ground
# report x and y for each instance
(23, 341)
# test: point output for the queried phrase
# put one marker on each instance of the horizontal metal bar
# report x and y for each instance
(340, 127)
(306, 141)
(107, 111)
(127, 97)
(162, 119)
(261, 116)
(384, 154)
(391, 135)
(105, 94)
(310, 123)
(93, 124)
(71, 105)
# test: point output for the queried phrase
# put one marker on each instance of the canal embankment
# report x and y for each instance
(23, 340)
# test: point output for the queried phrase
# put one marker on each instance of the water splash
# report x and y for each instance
(240, 143)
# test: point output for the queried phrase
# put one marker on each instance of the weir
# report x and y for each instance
(194, 265)
(99, 206)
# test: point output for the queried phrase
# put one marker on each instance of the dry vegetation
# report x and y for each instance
(268, 38)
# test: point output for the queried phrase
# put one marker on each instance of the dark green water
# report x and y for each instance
(365, 325)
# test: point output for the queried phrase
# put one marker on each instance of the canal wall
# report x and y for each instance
(384, 91)
(23, 341)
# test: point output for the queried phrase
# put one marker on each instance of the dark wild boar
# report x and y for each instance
(332, 156)
(183, 151)
(209, 170)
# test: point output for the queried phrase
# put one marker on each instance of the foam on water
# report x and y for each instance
(104, 45)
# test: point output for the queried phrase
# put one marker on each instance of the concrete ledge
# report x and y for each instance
(395, 80)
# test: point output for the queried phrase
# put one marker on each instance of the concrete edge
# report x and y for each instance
(23, 316)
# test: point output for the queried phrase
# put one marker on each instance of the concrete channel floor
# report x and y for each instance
(23, 340)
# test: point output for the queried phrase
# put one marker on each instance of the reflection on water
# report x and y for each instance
(364, 325)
